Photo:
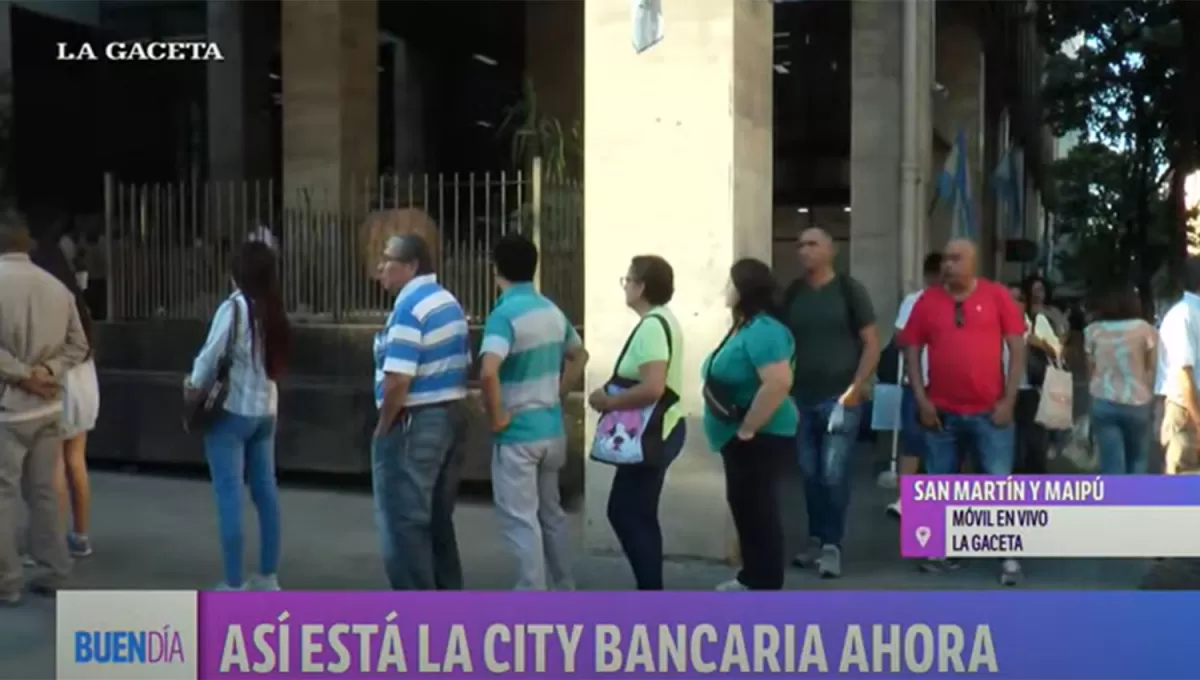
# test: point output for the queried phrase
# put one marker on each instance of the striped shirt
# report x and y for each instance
(426, 337)
(251, 392)
(530, 335)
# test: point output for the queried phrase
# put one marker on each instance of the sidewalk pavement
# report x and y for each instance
(160, 533)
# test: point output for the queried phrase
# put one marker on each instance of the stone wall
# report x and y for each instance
(327, 409)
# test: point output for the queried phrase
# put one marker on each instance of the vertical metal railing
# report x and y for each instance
(169, 244)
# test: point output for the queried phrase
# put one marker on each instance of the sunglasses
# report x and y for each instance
(960, 316)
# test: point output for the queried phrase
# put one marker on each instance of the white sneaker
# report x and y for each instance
(263, 583)
(226, 588)
(893, 509)
(731, 586)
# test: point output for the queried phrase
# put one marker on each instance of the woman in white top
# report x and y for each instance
(252, 326)
(81, 401)
(1032, 440)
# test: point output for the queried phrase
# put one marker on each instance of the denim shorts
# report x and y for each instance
(912, 439)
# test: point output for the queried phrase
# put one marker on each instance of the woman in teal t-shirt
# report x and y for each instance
(654, 358)
(749, 418)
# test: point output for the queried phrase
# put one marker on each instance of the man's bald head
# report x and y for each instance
(959, 262)
(815, 249)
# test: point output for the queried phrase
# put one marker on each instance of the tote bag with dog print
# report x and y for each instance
(633, 436)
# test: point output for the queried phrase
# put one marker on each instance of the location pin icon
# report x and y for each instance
(923, 535)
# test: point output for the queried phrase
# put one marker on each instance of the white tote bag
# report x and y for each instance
(1055, 408)
(81, 399)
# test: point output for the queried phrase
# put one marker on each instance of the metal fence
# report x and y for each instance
(168, 245)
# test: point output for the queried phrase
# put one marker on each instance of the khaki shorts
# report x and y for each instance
(1179, 440)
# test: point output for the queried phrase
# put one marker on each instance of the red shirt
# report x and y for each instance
(966, 344)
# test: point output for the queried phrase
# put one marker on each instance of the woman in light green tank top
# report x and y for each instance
(655, 359)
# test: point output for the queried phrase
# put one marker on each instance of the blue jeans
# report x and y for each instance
(633, 512)
(994, 446)
(241, 449)
(1122, 433)
(415, 471)
(827, 462)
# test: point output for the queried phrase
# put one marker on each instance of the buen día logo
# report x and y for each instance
(129, 646)
(126, 635)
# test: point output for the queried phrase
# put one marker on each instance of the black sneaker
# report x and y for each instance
(939, 566)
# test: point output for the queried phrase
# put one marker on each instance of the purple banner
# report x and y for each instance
(1017, 635)
(926, 497)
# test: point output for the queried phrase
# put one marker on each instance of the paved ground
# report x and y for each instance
(154, 532)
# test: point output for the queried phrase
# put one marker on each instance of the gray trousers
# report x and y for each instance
(525, 487)
(28, 457)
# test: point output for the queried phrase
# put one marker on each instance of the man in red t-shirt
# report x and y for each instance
(965, 325)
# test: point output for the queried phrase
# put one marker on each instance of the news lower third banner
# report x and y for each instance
(1130, 516)
(1024, 635)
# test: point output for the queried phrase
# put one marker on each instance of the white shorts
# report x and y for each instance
(81, 400)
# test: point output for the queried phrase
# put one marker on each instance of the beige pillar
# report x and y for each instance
(876, 137)
(330, 94)
(678, 163)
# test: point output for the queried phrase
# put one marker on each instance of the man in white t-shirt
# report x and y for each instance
(912, 441)
(1176, 382)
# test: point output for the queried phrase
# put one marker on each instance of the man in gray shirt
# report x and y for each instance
(41, 338)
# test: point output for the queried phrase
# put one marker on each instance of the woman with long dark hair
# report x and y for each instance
(252, 324)
(750, 420)
(81, 399)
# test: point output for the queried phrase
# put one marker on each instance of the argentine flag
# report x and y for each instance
(954, 189)
(1009, 186)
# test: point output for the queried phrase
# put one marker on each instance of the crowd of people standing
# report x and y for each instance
(790, 380)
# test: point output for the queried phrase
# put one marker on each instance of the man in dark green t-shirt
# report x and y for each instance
(837, 349)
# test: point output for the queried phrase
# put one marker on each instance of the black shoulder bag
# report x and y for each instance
(652, 436)
(204, 406)
(718, 396)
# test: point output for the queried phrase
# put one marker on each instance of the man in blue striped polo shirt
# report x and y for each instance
(421, 361)
(523, 376)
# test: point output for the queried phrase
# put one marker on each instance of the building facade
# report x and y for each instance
(749, 121)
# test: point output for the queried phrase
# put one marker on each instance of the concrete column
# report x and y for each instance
(960, 70)
(683, 131)
(330, 97)
(921, 242)
(408, 111)
(239, 95)
(876, 139)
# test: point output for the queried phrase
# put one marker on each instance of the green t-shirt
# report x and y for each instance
(827, 348)
(761, 342)
(650, 344)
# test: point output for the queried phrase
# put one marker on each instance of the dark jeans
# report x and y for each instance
(1122, 433)
(827, 463)
(633, 512)
(1032, 440)
(752, 472)
(992, 445)
(414, 475)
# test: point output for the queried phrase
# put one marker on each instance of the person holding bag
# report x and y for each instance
(81, 401)
(233, 381)
(750, 420)
(643, 396)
